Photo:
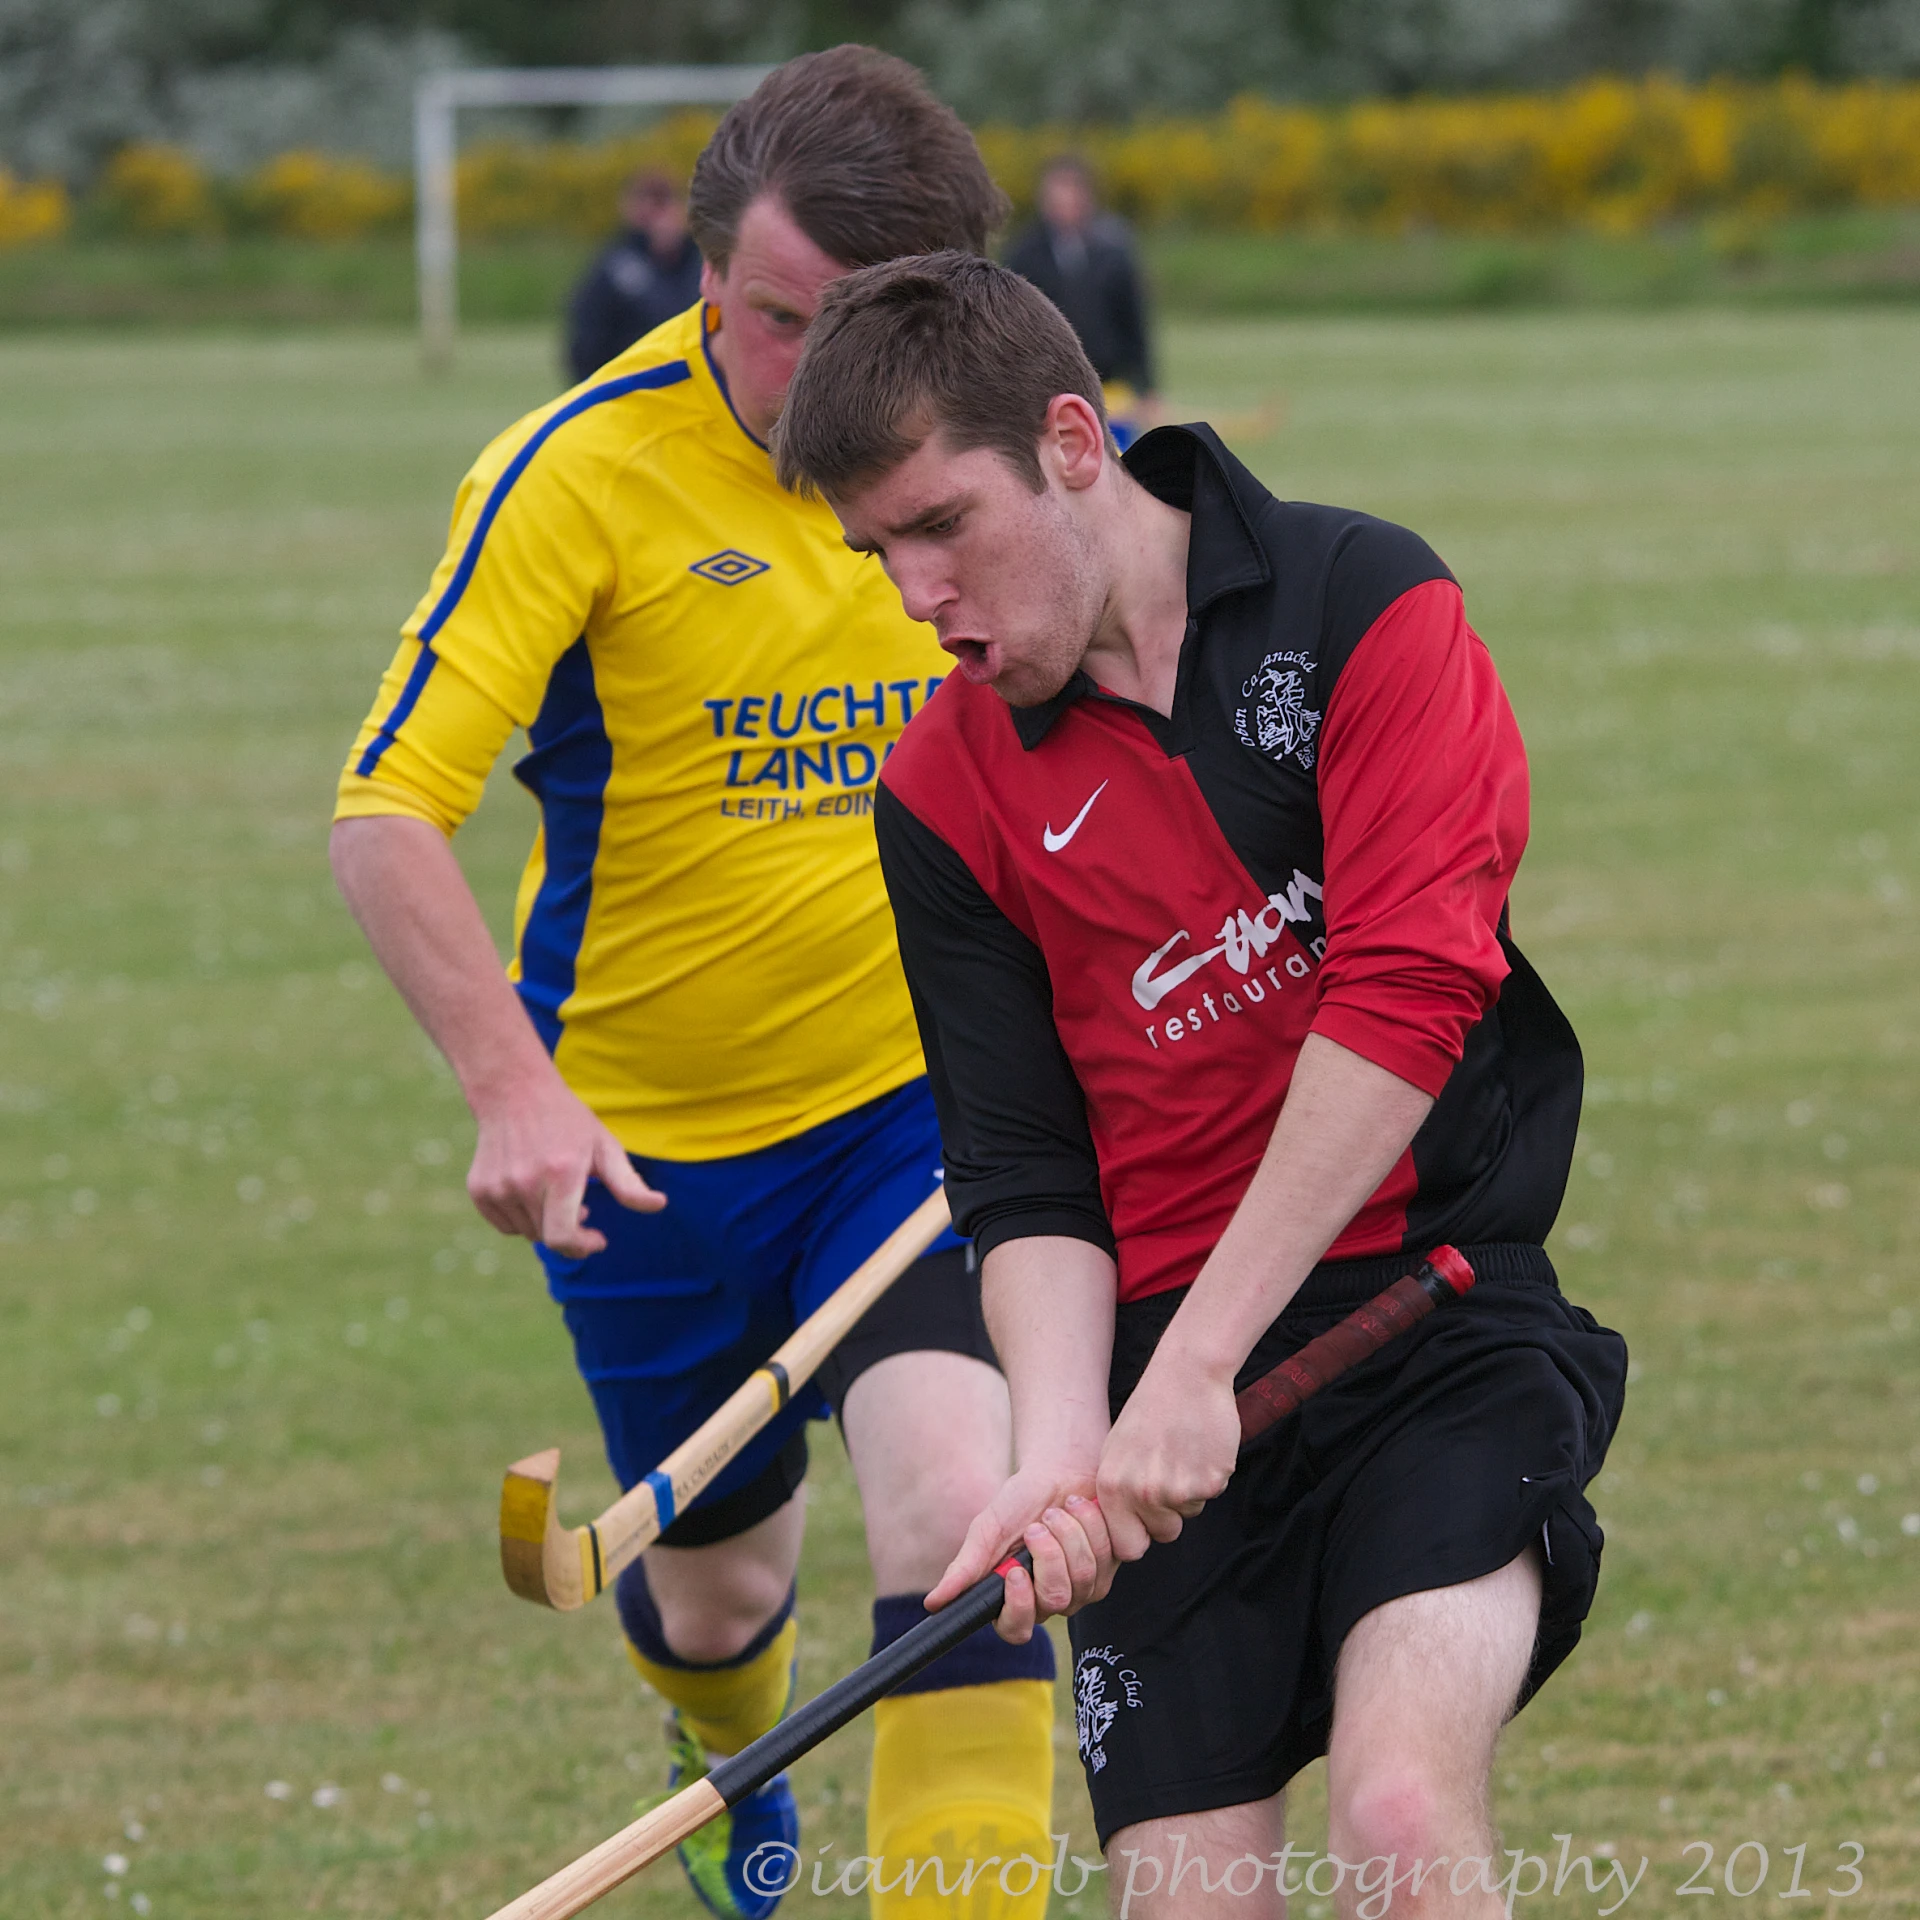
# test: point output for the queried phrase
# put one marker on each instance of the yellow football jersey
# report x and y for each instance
(709, 681)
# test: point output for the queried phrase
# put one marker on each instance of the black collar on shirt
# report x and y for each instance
(1188, 468)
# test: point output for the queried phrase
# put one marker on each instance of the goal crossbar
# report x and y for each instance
(437, 100)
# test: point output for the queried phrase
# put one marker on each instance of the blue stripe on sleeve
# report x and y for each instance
(567, 772)
(397, 714)
(669, 375)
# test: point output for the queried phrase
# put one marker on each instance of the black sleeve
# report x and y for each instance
(1127, 307)
(1031, 257)
(1013, 1122)
(595, 323)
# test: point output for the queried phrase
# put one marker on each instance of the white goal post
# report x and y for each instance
(437, 100)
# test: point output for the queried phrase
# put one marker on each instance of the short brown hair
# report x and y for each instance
(946, 343)
(866, 160)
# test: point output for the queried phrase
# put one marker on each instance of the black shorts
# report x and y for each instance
(1205, 1678)
(934, 1307)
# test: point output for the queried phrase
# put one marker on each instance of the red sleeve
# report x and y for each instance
(1423, 796)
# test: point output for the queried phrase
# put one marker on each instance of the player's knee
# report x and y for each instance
(921, 1489)
(710, 1636)
(704, 1623)
(943, 1496)
(1396, 1808)
(914, 1533)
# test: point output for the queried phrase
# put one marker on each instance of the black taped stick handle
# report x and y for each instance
(826, 1713)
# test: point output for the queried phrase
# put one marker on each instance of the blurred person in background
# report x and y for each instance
(1082, 259)
(648, 273)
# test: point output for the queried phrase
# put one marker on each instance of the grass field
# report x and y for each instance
(260, 1367)
(1863, 255)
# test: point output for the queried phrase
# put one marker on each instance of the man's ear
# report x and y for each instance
(712, 279)
(1076, 438)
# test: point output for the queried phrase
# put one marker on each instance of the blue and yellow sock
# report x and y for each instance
(962, 1772)
(725, 1704)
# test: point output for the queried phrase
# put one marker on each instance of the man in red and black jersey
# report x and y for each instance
(1201, 867)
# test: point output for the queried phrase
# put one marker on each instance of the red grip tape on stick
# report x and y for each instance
(1444, 1275)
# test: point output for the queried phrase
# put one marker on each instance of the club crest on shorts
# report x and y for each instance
(1279, 723)
(1102, 1685)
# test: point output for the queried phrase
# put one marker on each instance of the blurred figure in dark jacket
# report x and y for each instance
(1082, 260)
(645, 276)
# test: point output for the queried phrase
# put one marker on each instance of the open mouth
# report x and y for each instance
(975, 658)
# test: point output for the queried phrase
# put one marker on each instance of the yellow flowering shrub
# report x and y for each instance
(1869, 138)
(151, 189)
(1616, 155)
(31, 210)
(1610, 154)
(508, 188)
(320, 196)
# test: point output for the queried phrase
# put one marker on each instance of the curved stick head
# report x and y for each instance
(552, 1565)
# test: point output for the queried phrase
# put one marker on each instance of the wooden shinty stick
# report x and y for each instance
(565, 1567)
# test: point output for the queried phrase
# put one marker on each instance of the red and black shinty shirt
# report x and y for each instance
(1119, 927)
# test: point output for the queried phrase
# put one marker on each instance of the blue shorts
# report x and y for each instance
(682, 1305)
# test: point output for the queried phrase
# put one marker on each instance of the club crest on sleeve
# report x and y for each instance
(1102, 1685)
(728, 567)
(1279, 723)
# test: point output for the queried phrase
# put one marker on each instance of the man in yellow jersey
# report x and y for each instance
(701, 1092)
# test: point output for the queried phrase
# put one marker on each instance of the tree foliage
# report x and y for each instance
(236, 79)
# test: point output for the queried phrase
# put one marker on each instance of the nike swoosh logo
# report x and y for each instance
(1052, 841)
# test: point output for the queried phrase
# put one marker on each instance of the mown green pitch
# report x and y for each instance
(260, 1367)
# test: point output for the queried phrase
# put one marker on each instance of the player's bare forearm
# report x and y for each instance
(1344, 1126)
(402, 883)
(539, 1144)
(1049, 1306)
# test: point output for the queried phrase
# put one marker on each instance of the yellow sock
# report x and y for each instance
(960, 1775)
(727, 1708)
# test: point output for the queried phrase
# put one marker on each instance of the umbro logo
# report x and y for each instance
(728, 567)
(1052, 841)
